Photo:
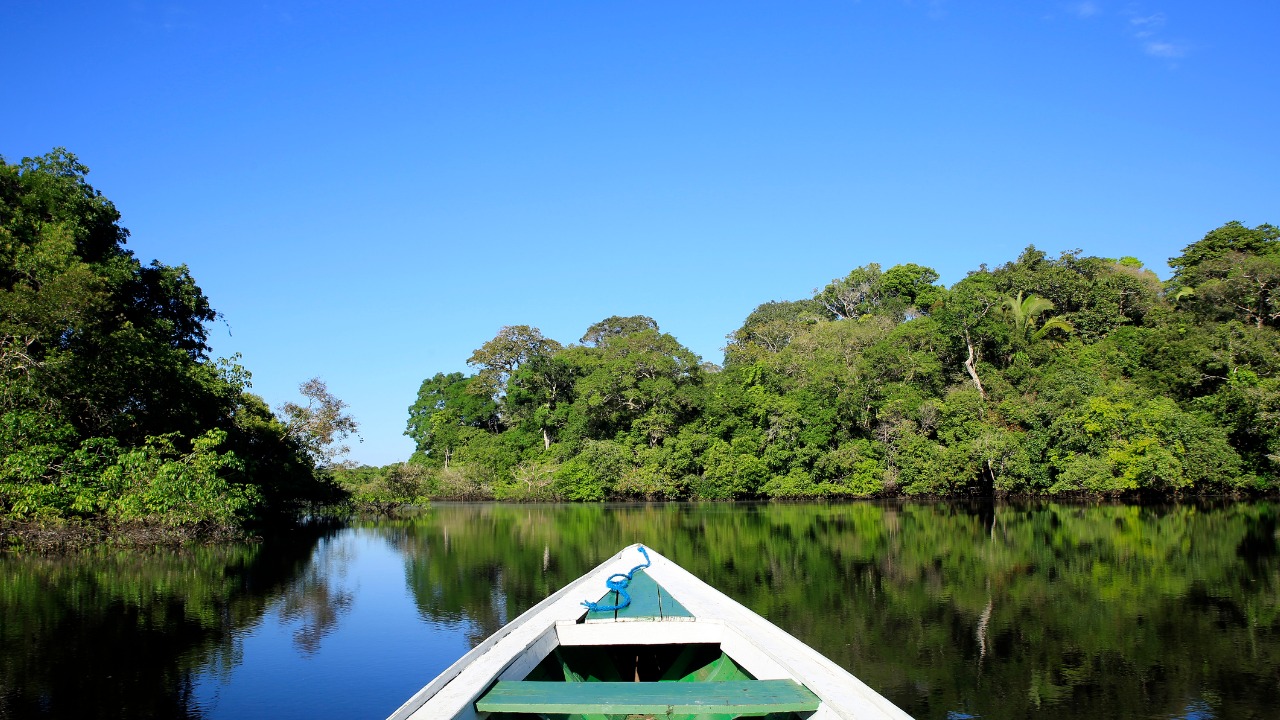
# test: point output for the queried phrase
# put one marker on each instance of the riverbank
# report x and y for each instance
(60, 535)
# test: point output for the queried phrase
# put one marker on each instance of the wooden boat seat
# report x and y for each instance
(732, 698)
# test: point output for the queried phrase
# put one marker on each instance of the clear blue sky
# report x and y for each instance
(369, 191)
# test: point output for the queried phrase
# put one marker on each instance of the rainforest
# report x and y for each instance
(1047, 376)
(113, 418)
(1067, 375)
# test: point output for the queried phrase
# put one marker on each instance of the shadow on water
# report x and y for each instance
(971, 609)
(110, 633)
(976, 609)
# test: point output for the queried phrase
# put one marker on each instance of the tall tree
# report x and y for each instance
(447, 414)
(911, 290)
(105, 374)
(1233, 237)
(641, 382)
(321, 425)
(856, 294)
(498, 358)
(539, 392)
(1022, 314)
(615, 326)
(1233, 272)
(771, 327)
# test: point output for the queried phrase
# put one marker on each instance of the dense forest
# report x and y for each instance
(112, 414)
(1044, 376)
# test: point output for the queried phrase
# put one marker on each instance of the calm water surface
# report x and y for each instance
(952, 611)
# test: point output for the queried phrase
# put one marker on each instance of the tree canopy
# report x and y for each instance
(1073, 374)
(110, 407)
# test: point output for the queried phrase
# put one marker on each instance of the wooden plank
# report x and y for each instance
(644, 599)
(655, 633)
(744, 697)
(671, 607)
(609, 599)
(525, 661)
(649, 601)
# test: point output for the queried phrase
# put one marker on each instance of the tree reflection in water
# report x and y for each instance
(951, 610)
(314, 600)
(987, 610)
(121, 633)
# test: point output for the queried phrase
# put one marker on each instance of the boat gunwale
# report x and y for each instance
(449, 674)
(746, 636)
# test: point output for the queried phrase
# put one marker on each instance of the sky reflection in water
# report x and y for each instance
(951, 611)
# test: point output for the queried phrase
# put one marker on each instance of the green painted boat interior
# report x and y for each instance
(639, 663)
(690, 663)
(649, 600)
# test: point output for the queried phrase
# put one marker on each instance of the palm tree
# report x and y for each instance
(1021, 314)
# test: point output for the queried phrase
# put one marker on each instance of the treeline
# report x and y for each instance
(112, 414)
(1042, 376)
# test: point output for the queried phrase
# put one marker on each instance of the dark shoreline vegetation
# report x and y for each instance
(1045, 376)
(115, 424)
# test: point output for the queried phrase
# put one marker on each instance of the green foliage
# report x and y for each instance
(154, 483)
(1232, 273)
(446, 414)
(110, 409)
(1121, 441)
(1044, 375)
(615, 326)
(496, 360)
(590, 475)
(859, 293)
(1232, 238)
(157, 483)
(386, 489)
(770, 328)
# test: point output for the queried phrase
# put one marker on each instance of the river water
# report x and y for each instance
(952, 611)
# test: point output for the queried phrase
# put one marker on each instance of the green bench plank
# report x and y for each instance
(738, 697)
(649, 601)
(645, 603)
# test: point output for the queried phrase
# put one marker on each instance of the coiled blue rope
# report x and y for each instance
(618, 582)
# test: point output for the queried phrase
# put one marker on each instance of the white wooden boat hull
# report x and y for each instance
(758, 646)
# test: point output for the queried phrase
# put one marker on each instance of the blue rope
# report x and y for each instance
(618, 582)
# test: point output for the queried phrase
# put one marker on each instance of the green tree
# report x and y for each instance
(859, 293)
(886, 382)
(109, 404)
(1023, 314)
(1233, 272)
(1231, 238)
(644, 383)
(498, 358)
(911, 289)
(770, 328)
(614, 326)
(446, 415)
(966, 314)
(539, 394)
